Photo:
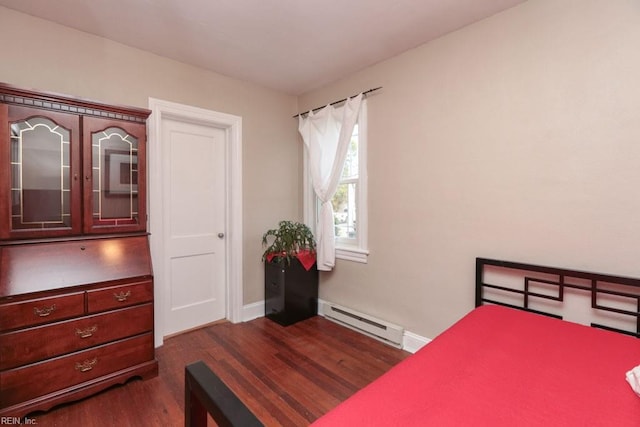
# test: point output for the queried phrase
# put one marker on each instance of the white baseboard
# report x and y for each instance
(252, 311)
(413, 342)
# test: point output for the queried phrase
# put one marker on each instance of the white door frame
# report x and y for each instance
(233, 228)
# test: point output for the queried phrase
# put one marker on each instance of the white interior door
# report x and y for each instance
(194, 231)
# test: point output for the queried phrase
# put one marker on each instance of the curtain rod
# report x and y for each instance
(338, 102)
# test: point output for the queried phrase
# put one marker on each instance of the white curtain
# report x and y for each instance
(327, 134)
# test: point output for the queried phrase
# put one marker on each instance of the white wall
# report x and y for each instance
(43, 55)
(517, 138)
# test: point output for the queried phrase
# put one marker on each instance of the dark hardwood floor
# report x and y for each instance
(288, 376)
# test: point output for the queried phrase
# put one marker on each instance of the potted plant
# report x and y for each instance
(290, 274)
(290, 240)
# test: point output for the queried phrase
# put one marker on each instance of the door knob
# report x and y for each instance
(221, 235)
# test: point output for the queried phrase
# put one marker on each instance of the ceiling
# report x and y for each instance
(292, 46)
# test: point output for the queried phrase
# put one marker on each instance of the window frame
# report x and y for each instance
(357, 249)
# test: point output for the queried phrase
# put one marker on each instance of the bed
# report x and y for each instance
(513, 360)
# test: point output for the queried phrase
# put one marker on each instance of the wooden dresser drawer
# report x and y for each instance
(26, 346)
(41, 310)
(119, 296)
(39, 379)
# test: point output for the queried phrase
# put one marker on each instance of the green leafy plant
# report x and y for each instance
(287, 240)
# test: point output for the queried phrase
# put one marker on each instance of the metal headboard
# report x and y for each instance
(610, 295)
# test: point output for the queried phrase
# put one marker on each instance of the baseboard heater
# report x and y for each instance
(379, 329)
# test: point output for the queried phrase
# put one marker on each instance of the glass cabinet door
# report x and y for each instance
(43, 183)
(114, 159)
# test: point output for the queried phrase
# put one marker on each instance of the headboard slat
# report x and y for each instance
(610, 295)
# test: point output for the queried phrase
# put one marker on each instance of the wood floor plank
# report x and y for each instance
(288, 376)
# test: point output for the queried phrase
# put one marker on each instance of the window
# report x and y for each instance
(345, 200)
(350, 200)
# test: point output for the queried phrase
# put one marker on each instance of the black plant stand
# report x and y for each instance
(291, 292)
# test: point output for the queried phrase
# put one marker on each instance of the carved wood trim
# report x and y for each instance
(68, 104)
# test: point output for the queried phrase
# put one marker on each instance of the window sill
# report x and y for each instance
(352, 254)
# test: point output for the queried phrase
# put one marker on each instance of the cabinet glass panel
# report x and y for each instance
(40, 174)
(115, 175)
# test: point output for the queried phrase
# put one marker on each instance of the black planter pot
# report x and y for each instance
(291, 292)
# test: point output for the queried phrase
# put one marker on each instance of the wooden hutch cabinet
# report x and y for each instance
(81, 171)
(76, 284)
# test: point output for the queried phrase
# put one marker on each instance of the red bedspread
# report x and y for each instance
(504, 367)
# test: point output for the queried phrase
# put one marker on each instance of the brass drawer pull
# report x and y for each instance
(122, 296)
(87, 365)
(44, 311)
(86, 333)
